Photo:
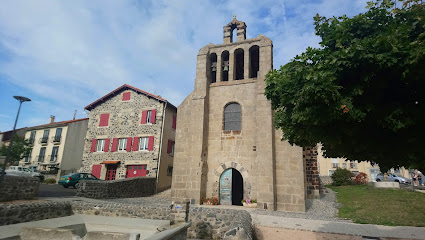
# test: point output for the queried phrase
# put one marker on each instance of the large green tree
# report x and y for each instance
(362, 93)
(20, 149)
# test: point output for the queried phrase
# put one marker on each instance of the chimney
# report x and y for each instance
(52, 119)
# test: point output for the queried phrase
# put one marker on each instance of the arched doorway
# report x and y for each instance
(231, 187)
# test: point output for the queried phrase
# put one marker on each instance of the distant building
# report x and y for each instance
(57, 147)
(130, 134)
(327, 166)
(5, 138)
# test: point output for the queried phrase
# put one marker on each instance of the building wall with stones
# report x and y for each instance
(14, 188)
(125, 122)
(123, 188)
(272, 170)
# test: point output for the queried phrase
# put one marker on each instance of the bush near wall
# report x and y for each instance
(342, 177)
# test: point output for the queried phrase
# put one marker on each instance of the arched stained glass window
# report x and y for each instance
(232, 117)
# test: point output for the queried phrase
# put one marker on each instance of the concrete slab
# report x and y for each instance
(386, 184)
(145, 227)
(339, 227)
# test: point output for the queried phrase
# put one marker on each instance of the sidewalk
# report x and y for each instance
(364, 230)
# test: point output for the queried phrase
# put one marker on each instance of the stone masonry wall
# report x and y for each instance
(313, 187)
(124, 121)
(14, 188)
(123, 188)
(33, 211)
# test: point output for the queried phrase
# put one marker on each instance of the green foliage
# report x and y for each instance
(20, 148)
(342, 177)
(362, 94)
(50, 181)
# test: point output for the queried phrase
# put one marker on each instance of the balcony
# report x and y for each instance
(56, 139)
(43, 140)
(40, 158)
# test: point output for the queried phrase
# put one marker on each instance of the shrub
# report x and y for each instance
(361, 178)
(342, 177)
(50, 181)
(249, 201)
(210, 201)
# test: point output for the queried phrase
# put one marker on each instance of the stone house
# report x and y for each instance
(130, 134)
(57, 147)
(231, 149)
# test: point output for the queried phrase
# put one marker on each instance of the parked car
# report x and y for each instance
(23, 172)
(393, 178)
(73, 179)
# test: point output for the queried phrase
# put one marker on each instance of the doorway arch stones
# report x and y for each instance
(246, 181)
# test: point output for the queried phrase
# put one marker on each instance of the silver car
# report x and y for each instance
(393, 178)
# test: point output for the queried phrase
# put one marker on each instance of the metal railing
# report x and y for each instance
(44, 140)
(56, 139)
(53, 158)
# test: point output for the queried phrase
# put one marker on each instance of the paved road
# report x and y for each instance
(55, 190)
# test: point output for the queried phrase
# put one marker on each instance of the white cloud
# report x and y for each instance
(70, 53)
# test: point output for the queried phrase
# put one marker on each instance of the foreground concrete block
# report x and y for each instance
(386, 184)
(34, 233)
(111, 236)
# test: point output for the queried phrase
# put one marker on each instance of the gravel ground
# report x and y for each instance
(325, 208)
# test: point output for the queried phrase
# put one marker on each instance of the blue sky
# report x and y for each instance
(66, 54)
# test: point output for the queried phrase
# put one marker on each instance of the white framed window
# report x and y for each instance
(100, 145)
(143, 143)
(331, 172)
(335, 163)
(148, 116)
(122, 144)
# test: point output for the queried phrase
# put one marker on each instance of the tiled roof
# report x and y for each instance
(123, 87)
(59, 123)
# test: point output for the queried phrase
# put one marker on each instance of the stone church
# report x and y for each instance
(226, 144)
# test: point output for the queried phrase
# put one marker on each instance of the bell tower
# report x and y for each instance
(228, 31)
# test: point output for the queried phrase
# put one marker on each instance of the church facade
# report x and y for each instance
(226, 144)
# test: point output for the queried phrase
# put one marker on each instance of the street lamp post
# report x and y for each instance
(21, 100)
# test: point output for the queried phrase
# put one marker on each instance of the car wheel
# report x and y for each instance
(397, 181)
(378, 180)
(76, 185)
(65, 186)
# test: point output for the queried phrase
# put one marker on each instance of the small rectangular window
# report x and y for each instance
(126, 96)
(104, 120)
(170, 170)
(143, 143)
(130, 167)
(100, 145)
(122, 144)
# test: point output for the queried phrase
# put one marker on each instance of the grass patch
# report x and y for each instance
(391, 207)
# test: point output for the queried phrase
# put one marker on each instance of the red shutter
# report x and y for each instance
(129, 144)
(144, 113)
(95, 170)
(126, 96)
(169, 146)
(174, 121)
(136, 144)
(150, 143)
(104, 120)
(153, 116)
(106, 147)
(93, 145)
(114, 145)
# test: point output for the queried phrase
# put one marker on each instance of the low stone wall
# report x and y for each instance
(33, 211)
(14, 188)
(215, 223)
(123, 188)
(157, 212)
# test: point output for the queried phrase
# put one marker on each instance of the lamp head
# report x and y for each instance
(22, 99)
